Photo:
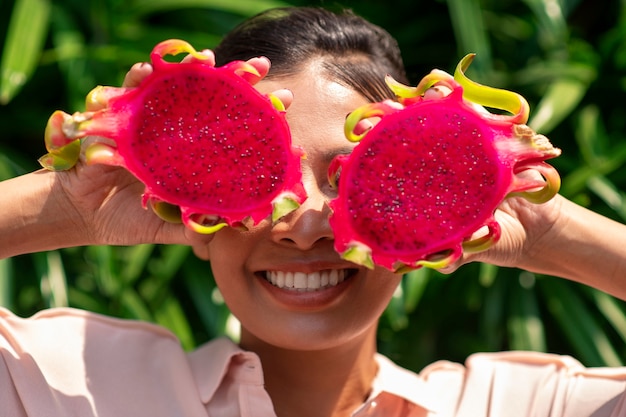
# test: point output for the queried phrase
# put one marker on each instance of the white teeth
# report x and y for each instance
(333, 277)
(288, 280)
(301, 281)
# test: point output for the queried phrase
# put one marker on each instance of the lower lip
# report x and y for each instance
(307, 300)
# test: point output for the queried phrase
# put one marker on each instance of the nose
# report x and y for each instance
(308, 225)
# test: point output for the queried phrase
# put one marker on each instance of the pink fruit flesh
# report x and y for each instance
(429, 175)
(199, 137)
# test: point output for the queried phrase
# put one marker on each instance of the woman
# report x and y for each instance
(305, 353)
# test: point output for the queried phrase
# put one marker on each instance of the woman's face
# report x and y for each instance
(340, 300)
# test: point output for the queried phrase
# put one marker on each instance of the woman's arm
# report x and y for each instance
(91, 204)
(32, 218)
(562, 239)
(583, 246)
(86, 205)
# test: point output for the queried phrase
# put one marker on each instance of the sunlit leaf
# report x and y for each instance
(590, 135)
(579, 324)
(172, 259)
(135, 305)
(493, 312)
(105, 275)
(613, 311)
(577, 180)
(551, 20)
(10, 165)
(54, 281)
(243, 7)
(526, 330)
(414, 284)
(557, 103)
(23, 45)
(487, 274)
(395, 312)
(171, 315)
(607, 191)
(467, 21)
(206, 299)
(137, 260)
(6, 283)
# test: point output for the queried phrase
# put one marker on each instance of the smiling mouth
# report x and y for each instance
(301, 281)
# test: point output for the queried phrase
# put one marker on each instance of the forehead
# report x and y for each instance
(317, 114)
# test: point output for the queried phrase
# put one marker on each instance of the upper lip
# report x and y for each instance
(321, 257)
(307, 265)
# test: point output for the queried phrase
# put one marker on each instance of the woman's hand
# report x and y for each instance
(556, 238)
(524, 227)
(93, 203)
(105, 201)
(559, 238)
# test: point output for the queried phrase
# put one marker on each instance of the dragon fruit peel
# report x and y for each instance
(210, 149)
(423, 183)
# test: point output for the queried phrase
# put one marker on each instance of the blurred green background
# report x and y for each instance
(567, 57)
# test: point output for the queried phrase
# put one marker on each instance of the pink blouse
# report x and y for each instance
(66, 362)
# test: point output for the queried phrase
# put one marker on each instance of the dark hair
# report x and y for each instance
(354, 51)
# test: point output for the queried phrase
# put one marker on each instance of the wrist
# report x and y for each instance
(583, 246)
(35, 218)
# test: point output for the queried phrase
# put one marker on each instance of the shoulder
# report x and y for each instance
(531, 383)
(66, 327)
(66, 359)
(80, 339)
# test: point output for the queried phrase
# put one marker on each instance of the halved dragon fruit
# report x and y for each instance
(423, 183)
(211, 150)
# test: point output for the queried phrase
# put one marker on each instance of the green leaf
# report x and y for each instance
(487, 274)
(469, 30)
(526, 330)
(136, 262)
(10, 165)
(24, 43)
(395, 311)
(105, 274)
(609, 193)
(577, 180)
(209, 304)
(414, 284)
(557, 103)
(579, 324)
(54, 280)
(172, 259)
(242, 7)
(612, 311)
(171, 315)
(135, 305)
(549, 14)
(493, 312)
(590, 135)
(6, 287)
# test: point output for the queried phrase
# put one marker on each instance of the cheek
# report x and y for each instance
(381, 285)
(232, 246)
(227, 253)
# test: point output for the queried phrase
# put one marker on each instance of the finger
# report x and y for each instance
(136, 74)
(210, 57)
(437, 92)
(364, 125)
(284, 95)
(199, 242)
(452, 267)
(262, 65)
(201, 251)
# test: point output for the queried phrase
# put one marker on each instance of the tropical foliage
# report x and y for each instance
(567, 57)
